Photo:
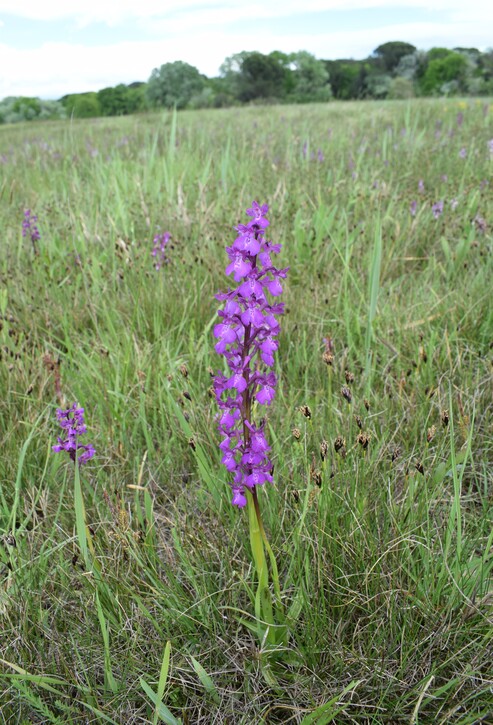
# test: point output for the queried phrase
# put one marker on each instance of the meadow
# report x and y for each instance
(126, 585)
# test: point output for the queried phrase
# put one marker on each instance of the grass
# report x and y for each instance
(126, 595)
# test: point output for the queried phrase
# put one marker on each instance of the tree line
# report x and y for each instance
(394, 70)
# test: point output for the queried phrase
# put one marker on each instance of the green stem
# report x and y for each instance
(263, 603)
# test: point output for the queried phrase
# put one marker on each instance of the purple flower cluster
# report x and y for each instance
(246, 336)
(72, 422)
(437, 209)
(29, 227)
(159, 249)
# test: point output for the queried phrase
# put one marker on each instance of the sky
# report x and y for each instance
(49, 48)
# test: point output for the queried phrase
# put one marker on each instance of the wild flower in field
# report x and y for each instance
(490, 146)
(463, 152)
(73, 425)
(30, 228)
(159, 249)
(454, 203)
(480, 223)
(437, 209)
(247, 338)
(421, 186)
(320, 155)
(413, 207)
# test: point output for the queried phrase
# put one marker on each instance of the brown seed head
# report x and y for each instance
(366, 403)
(324, 449)
(444, 416)
(296, 433)
(396, 452)
(346, 394)
(305, 410)
(349, 377)
(184, 370)
(419, 467)
(192, 444)
(359, 422)
(431, 433)
(340, 446)
(328, 358)
(363, 439)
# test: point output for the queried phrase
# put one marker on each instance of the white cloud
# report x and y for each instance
(114, 11)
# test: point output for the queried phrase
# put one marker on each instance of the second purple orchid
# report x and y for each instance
(247, 338)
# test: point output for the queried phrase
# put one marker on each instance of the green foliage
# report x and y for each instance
(310, 78)
(400, 88)
(390, 54)
(442, 70)
(346, 78)
(82, 105)
(260, 77)
(174, 84)
(16, 109)
(122, 100)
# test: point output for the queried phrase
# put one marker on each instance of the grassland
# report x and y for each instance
(385, 548)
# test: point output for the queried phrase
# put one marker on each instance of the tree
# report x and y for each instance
(261, 77)
(346, 78)
(445, 74)
(121, 100)
(310, 78)
(82, 105)
(390, 54)
(174, 84)
(401, 88)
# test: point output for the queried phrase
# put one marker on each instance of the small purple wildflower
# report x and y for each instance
(73, 425)
(463, 152)
(454, 203)
(413, 207)
(246, 336)
(490, 146)
(159, 250)
(480, 224)
(30, 228)
(320, 155)
(460, 118)
(421, 186)
(437, 209)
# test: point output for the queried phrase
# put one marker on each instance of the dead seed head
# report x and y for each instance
(363, 439)
(296, 433)
(431, 433)
(349, 377)
(346, 394)
(340, 446)
(324, 449)
(396, 452)
(305, 410)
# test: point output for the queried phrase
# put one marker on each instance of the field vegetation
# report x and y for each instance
(380, 514)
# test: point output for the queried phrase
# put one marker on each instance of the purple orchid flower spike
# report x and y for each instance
(73, 426)
(246, 337)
